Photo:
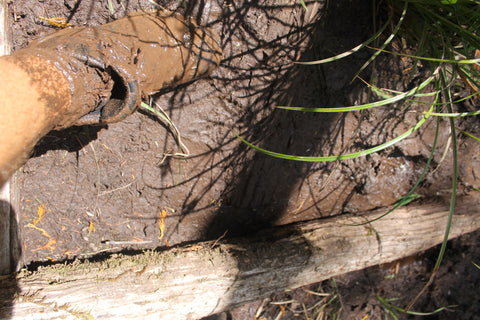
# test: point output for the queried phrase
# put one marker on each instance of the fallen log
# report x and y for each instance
(202, 279)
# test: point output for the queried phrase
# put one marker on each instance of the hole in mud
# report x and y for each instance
(135, 58)
(119, 90)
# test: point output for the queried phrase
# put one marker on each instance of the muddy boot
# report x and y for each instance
(110, 68)
(95, 75)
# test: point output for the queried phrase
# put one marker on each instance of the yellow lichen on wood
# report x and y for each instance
(161, 223)
(57, 22)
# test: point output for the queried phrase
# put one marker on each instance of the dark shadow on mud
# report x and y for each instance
(72, 139)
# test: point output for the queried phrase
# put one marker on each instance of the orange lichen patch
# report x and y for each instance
(51, 244)
(40, 212)
(161, 223)
(57, 22)
(71, 253)
(91, 227)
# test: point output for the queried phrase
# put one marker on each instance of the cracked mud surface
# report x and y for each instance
(103, 188)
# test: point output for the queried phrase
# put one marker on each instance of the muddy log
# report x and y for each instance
(206, 278)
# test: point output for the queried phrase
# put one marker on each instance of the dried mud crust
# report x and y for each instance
(92, 189)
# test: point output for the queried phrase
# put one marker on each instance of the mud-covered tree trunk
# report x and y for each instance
(206, 278)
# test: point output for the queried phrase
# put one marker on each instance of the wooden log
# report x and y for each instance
(206, 278)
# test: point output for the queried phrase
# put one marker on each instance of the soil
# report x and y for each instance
(94, 189)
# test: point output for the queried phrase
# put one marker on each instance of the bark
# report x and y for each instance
(199, 280)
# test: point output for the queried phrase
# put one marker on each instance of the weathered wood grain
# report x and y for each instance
(206, 278)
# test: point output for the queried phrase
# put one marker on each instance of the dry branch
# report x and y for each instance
(193, 282)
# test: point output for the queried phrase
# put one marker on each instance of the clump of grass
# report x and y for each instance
(444, 35)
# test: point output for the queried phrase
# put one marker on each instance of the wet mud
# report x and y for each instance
(97, 189)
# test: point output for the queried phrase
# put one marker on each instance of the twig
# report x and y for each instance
(116, 189)
(220, 238)
(163, 116)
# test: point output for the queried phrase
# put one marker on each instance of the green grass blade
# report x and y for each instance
(455, 114)
(469, 135)
(304, 5)
(402, 201)
(388, 93)
(447, 93)
(388, 306)
(393, 308)
(155, 112)
(460, 61)
(411, 196)
(367, 105)
(465, 35)
(454, 191)
(387, 41)
(110, 6)
(454, 181)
